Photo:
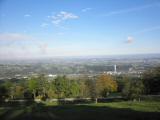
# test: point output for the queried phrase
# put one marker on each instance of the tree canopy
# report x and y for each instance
(105, 84)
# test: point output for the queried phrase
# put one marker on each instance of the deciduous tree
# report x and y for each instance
(105, 84)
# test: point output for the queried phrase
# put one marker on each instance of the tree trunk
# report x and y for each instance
(96, 100)
(34, 94)
(139, 99)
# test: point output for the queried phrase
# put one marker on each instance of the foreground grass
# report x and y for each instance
(144, 106)
(102, 111)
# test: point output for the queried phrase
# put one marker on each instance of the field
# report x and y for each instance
(101, 111)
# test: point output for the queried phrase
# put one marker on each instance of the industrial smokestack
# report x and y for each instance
(115, 68)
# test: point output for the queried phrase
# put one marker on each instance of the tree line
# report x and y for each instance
(39, 87)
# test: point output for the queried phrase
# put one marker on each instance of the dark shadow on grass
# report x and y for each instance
(88, 101)
(39, 111)
(74, 102)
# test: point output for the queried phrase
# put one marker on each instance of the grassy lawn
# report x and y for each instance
(101, 111)
(137, 106)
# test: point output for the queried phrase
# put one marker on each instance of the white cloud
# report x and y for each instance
(86, 9)
(131, 9)
(147, 30)
(27, 15)
(43, 48)
(16, 52)
(56, 22)
(61, 17)
(16, 45)
(44, 24)
(14, 36)
(129, 40)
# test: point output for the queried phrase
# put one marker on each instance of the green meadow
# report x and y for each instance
(126, 110)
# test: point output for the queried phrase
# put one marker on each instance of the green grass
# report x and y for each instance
(101, 111)
(144, 106)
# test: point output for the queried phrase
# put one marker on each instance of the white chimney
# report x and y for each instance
(115, 68)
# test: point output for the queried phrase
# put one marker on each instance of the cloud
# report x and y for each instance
(14, 37)
(16, 52)
(16, 45)
(147, 30)
(43, 48)
(27, 15)
(44, 24)
(131, 9)
(86, 9)
(129, 40)
(61, 17)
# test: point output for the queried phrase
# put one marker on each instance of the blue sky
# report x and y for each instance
(48, 28)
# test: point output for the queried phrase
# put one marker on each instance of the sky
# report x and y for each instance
(49, 28)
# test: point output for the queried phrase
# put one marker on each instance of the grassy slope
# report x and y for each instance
(102, 111)
(137, 106)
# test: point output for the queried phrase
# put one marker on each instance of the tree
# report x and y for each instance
(33, 86)
(65, 87)
(19, 91)
(73, 88)
(84, 89)
(133, 88)
(91, 85)
(51, 90)
(9, 87)
(39, 86)
(60, 86)
(42, 86)
(151, 80)
(120, 83)
(105, 84)
(3, 93)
